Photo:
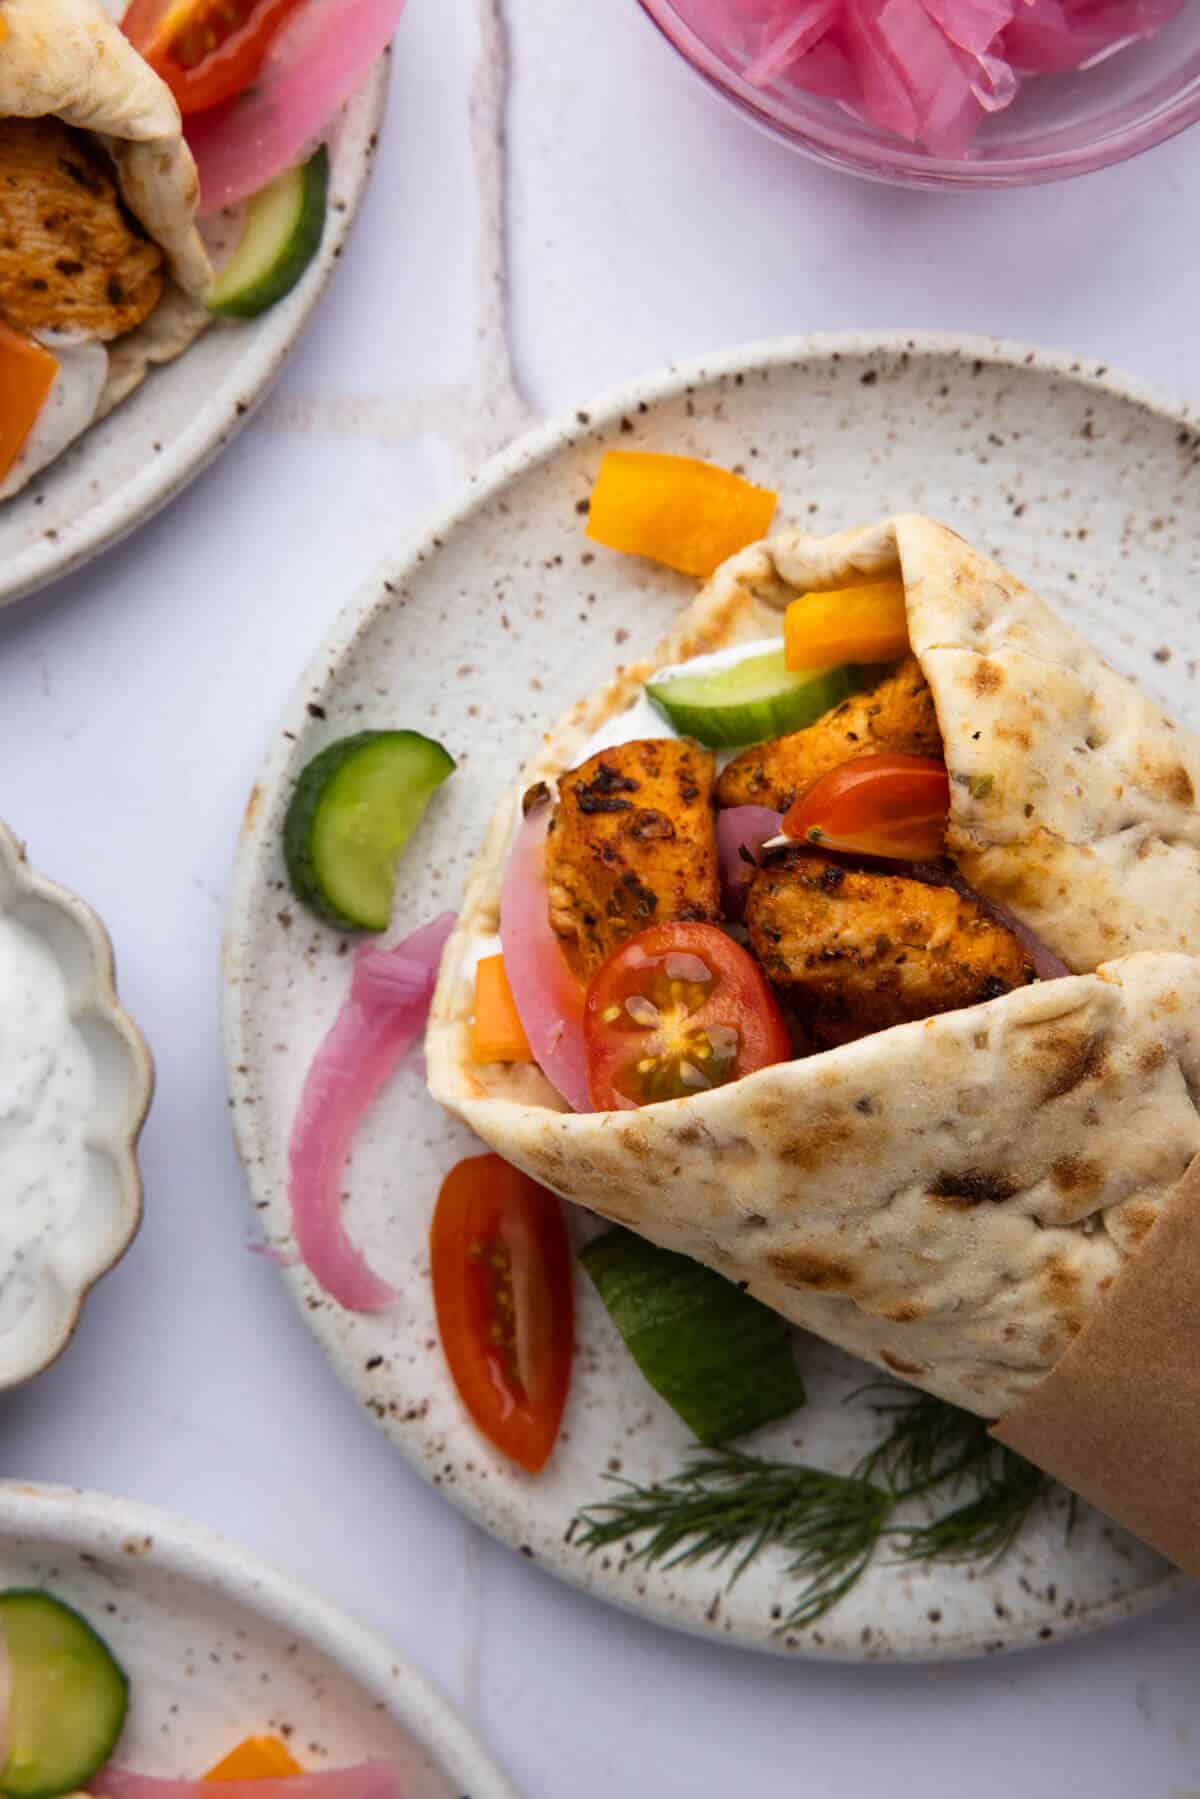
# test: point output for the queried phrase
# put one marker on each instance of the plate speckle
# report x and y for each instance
(482, 634)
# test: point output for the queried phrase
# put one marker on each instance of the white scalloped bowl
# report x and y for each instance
(44, 1281)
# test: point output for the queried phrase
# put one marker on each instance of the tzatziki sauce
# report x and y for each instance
(47, 1095)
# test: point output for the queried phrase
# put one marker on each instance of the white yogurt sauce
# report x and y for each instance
(47, 1095)
(69, 408)
(477, 951)
(718, 659)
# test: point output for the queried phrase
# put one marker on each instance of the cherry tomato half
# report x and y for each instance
(505, 1308)
(674, 1011)
(205, 50)
(893, 805)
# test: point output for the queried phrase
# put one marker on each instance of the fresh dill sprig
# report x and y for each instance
(725, 1504)
(929, 1444)
(725, 1501)
(984, 1527)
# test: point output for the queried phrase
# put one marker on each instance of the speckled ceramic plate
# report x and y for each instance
(219, 1646)
(482, 634)
(146, 451)
(75, 1086)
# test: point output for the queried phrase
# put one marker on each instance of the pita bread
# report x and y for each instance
(66, 59)
(949, 1199)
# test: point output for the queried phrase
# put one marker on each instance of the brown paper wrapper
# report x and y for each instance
(1118, 1417)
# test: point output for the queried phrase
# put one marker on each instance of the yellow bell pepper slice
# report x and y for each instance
(674, 509)
(846, 624)
(27, 374)
(499, 1035)
(257, 1758)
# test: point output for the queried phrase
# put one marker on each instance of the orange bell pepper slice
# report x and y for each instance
(257, 1758)
(27, 373)
(674, 509)
(846, 624)
(499, 1035)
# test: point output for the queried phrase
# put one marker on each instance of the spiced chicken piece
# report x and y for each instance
(898, 714)
(855, 952)
(71, 258)
(632, 843)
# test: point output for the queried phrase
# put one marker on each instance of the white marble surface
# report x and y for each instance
(135, 700)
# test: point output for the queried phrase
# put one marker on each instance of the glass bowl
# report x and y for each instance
(1059, 125)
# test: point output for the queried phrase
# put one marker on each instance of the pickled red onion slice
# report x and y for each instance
(792, 38)
(926, 70)
(379, 1021)
(547, 994)
(368, 1780)
(319, 57)
(741, 833)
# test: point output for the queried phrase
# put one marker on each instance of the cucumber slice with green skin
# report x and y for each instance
(720, 1359)
(284, 224)
(355, 807)
(748, 701)
(68, 1701)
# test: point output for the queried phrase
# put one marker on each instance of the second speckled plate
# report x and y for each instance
(482, 635)
(219, 1646)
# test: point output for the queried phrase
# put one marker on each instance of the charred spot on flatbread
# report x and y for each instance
(987, 677)
(973, 1187)
(1068, 1059)
(1081, 1176)
(808, 1268)
(1138, 1219)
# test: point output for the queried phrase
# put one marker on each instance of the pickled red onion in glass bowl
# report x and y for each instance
(950, 93)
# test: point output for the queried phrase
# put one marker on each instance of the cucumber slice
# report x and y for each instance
(747, 701)
(355, 807)
(284, 224)
(719, 1358)
(69, 1696)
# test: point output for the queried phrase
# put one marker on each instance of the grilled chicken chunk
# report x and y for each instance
(898, 714)
(71, 257)
(857, 952)
(632, 843)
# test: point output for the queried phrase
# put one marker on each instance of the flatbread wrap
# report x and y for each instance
(101, 263)
(952, 1195)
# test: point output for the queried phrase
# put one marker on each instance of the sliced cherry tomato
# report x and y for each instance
(893, 805)
(205, 50)
(678, 1009)
(505, 1308)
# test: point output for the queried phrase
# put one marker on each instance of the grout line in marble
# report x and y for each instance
(478, 416)
(501, 410)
